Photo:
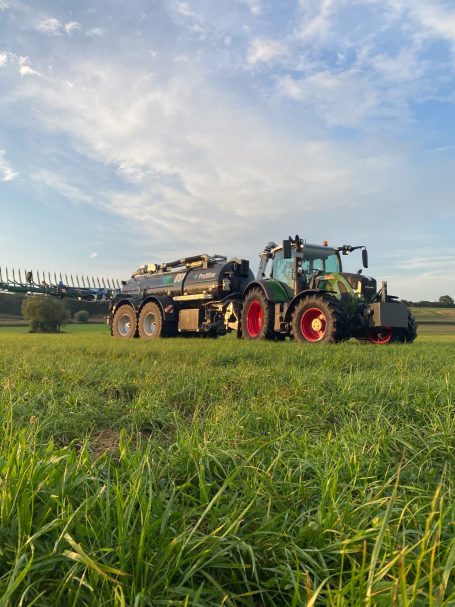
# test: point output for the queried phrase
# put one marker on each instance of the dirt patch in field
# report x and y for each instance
(106, 441)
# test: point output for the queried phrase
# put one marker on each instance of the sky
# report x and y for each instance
(148, 130)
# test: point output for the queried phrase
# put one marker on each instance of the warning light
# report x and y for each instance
(325, 243)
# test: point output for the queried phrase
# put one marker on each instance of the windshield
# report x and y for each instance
(314, 258)
(320, 258)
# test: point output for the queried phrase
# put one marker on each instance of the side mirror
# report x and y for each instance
(365, 258)
(287, 249)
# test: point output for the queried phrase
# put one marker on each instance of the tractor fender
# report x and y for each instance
(298, 298)
(166, 305)
(272, 289)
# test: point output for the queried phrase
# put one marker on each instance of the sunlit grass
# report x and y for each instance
(192, 472)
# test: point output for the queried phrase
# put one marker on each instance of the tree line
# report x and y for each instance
(445, 301)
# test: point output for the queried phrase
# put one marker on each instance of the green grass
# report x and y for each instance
(197, 472)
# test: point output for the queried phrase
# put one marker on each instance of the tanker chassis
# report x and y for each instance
(306, 296)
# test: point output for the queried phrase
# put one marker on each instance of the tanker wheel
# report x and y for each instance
(257, 316)
(124, 323)
(150, 322)
(319, 319)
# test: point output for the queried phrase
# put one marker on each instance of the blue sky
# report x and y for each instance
(143, 131)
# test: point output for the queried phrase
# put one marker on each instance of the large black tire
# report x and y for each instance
(257, 316)
(319, 319)
(124, 323)
(388, 335)
(406, 335)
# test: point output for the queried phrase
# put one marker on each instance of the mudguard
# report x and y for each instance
(274, 291)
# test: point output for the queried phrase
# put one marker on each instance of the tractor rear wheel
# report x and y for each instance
(150, 323)
(124, 323)
(257, 316)
(319, 319)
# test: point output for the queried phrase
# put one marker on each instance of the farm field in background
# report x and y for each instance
(200, 472)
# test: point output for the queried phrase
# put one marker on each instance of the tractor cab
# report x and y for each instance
(303, 263)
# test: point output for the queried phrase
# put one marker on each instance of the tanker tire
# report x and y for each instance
(124, 323)
(319, 320)
(257, 316)
(406, 336)
(151, 323)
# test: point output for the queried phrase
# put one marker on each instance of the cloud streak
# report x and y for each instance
(6, 172)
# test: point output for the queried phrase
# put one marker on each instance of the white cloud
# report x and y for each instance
(3, 59)
(93, 255)
(255, 6)
(265, 51)
(6, 172)
(72, 26)
(399, 68)
(95, 32)
(59, 184)
(25, 68)
(317, 18)
(49, 25)
(346, 98)
(184, 9)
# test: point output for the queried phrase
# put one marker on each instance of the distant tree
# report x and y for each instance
(45, 314)
(446, 300)
(82, 316)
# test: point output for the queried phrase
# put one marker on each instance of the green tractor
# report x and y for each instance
(309, 298)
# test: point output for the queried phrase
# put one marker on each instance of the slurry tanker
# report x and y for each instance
(300, 291)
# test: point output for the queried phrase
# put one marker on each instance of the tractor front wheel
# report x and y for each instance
(124, 323)
(388, 335)
(319, 319)
(257, 316)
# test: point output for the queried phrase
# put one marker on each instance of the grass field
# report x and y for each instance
(197, 472)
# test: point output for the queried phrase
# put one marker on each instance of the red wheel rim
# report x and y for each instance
(313, 324)
(254, 317)
(380, 336)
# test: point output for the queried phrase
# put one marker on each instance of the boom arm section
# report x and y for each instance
(83, 289)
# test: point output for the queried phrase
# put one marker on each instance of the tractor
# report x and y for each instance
(307, 297)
